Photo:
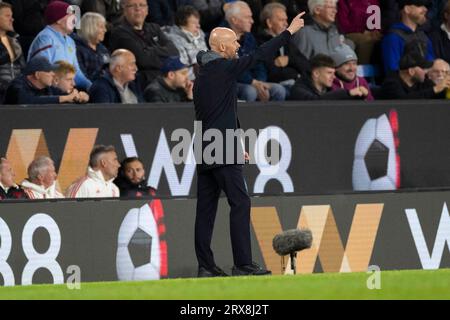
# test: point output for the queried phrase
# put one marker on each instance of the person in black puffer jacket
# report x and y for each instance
(11, 57)
(131, 179)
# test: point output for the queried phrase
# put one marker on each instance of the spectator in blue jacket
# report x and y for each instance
(119, 85)
(92, 55)
(54, 42)
(407, 33)
(252, 85)
(35, 85)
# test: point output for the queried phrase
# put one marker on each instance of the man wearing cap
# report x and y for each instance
(119, 85)
(346, 63)
(174, 84)
(406, 34)
(54, 41)
(34, 86)
(411, 83)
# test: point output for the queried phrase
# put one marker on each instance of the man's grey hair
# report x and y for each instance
(117, 58)
(267, 11)
(313, 4)
(97, 153)
(39, 166)
(234, 9)
(89, 25)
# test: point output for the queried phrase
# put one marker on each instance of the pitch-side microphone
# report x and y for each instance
(290, 242)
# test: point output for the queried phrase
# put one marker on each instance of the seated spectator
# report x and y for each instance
(131, 179)
(54, 41)
(64, 80)
(145, 40)
(346, 63)
(211, 12)
(252, 85)
(438, 71)
(8, 188)
(92, 55)
(173, 86)
(98, 182)
(322, 36)
(441, 37)
(274, 21)
(11, 58)
(406, 35)
(119, 85)
(352, 17)
(28, 20)
(41, 182)
(187, 36)
(317, 86)
(410, 82)
(35, 85)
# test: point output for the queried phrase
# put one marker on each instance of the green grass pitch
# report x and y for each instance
(394, 285)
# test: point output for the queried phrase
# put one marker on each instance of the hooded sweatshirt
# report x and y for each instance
(93, 185)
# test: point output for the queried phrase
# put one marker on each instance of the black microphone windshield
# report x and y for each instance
(291, 241)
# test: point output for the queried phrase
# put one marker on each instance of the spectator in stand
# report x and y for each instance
(131, 179)
(162, 12)
(322, 36)
(274, 21)
(41, 182)
(35, 85)
(119, 85)
(8, 188)
(411, 82)
(346, 62)
(64, 80)
(146, 40)
(110, 9)
(54, 41)
(98, 182)
(352, 20)
(92, 55)
(173, 86)
(441, 37)
(439, 71)
(407, 35)
(187, 36)
(252, 85)
(317, 86)
(28, 20)
(11, 57)
(211, 12)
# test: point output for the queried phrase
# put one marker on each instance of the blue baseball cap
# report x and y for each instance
(172, 64)
(39, 64)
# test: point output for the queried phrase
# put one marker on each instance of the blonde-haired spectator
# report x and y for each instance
(64, 80)
(92, 55)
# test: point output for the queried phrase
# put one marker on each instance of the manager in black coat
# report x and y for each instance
(215, 99)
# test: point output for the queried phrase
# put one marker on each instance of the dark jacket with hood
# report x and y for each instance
(395, 88)
(132, 190)
(159, 91)
(215, 94)
(104, 90)
(150, 46)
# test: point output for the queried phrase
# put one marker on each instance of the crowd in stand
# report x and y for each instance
(136, 51)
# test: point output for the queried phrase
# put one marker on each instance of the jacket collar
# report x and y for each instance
(205, 57)
(446, 30)
(97, 176)
(50, 191)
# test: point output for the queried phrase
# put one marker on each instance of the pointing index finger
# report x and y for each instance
(301, 14)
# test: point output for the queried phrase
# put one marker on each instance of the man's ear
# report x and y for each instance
(222, 47)
(268, 23)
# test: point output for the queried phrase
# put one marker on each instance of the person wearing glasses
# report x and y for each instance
(439, 71)
(146, 40)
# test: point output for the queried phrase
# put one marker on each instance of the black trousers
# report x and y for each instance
(209, 185)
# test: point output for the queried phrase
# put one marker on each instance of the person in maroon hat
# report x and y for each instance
(54, 42)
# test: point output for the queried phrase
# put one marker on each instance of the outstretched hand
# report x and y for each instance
(297, 23)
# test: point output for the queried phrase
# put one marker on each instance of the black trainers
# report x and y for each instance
(214, 272)
(250, 270)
